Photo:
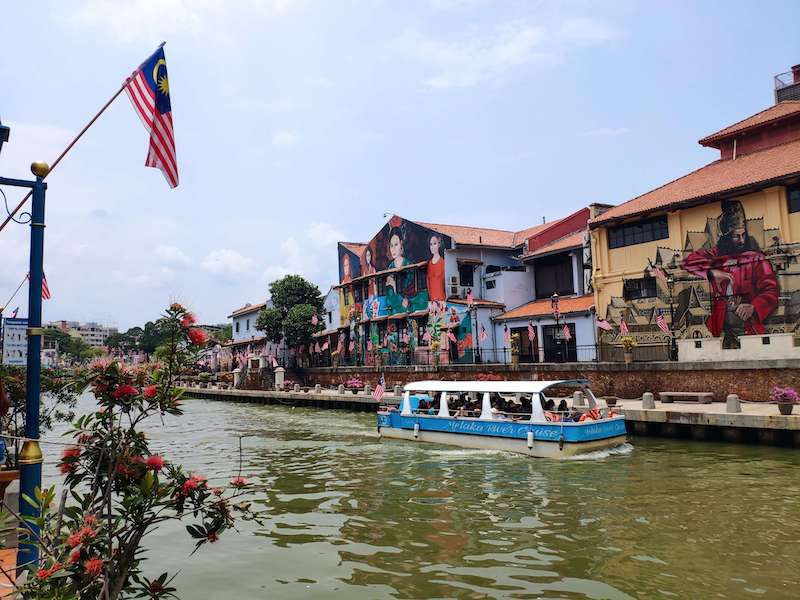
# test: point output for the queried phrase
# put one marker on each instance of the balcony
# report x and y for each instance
(787, 85)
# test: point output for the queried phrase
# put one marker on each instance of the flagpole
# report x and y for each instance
(24, 279)
(70, 145)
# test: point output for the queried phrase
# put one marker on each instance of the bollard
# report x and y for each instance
(280, 374)
(367, 389)
(578, 399)
(318, 389)
(732, 404)
(397, 391)
(237, 377)
(648, 400)
(341, 389)
(296, 387)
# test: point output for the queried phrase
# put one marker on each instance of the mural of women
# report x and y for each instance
(397, 249)
(435, 275)
(744, 288)
(369, 269)
(347, 275)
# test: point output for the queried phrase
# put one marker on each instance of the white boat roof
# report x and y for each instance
(501, 387)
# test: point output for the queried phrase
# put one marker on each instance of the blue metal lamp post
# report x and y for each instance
(30, 456)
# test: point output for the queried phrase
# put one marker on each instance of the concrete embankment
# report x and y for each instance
(756, 423)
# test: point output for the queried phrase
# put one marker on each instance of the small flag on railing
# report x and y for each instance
(506, 334)
(623, 327)
(325, 346)
(426, 337)
(567, 332)
(316, 348)
(340, 345)
(470, 298)
(377, 393)
(659, 274)
(482, 335)
(603, 324)
(14, 314)
(352, 345)
(369, 345)
(662, 322)
(274, 362)
(531, 332)
(451, 337)
(314, 319)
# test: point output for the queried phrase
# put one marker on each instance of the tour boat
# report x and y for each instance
(583, 427)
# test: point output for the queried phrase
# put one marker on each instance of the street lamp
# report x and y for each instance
(673, 350)
(30, 456)
(557, 316)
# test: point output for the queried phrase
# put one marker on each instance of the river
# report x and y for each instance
(350, 516)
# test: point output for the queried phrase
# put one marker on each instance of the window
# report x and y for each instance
(381, 286)
(346, 294)
(247, 325)
(638, 233)
(793, 196)
(422, 279)
(553, 274)
(357, 293)
(237, 326)
(645, 287)
(465, 275)
(490, 284)
(330, 318)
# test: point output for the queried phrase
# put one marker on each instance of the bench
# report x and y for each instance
(700, 397)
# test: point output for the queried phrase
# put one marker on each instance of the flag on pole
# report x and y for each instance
(470, 298)
(531, 332)
(274, 363)
(316, 348)
(325, 346)
(603, 324)
(369, 345)
(659, 274)
(506, 334)
(426, 337)
(623, 327)
(340, 344)
(148, 91)
(377, 394)
(14, 314)
(482, 335)
(314, 319)
(662, 322)
(352, 345)
(45, 288)
(567, 332)
(451, 337)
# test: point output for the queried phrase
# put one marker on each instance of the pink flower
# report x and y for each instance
(71, 453)
(188, 486)
(197, 336)
(90, 520)
(199, 478)
(74, 540)
(155, 462)
(125, 390)
(239, 482)
(212, 537)
(93, 566)
(188, 320)
(217, 491)
(150, 391)
(75, 557)
(66, 468)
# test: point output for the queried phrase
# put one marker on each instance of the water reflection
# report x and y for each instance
(351, 516)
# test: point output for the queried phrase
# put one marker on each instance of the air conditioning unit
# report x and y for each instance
(454, 290)
(453, 280)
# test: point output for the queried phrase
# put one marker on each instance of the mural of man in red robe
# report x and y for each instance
(744, 288)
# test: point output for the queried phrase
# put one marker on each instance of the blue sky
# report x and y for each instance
(301, 123)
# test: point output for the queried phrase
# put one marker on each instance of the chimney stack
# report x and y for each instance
(796, 74)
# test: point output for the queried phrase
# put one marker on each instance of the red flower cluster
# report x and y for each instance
(125, 390)
(212, 537)
(43, 573)
(239, 482)
(93, 566)
(69, 460)
(149, 392)
(155, 462)
(75, 557)
(71, 453)
(197, 336)
(155, 588)
(188, 320)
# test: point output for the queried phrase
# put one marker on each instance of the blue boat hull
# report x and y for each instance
(548, 439)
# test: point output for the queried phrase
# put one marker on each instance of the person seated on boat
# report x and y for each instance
(499, 416)
(550, 404)
(461, 412)
(431, 410)
(562, 406)
(552, 416)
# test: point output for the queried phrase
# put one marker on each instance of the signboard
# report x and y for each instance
(15, 342)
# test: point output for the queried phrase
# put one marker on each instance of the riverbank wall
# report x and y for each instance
(751, 380)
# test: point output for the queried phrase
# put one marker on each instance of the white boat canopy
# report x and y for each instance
(535, 388)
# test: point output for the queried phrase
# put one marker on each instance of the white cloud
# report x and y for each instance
(285, 139)
(606, 131)
(324, 234)
(227, 264)
(170, 255)
(488, 55)
(31, 141)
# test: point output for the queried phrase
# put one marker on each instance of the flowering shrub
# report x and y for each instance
(121, 490)
(354, 382)
(784, 395)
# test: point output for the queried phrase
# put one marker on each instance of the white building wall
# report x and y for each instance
(247, 326)
(331, 307)
(584, 333)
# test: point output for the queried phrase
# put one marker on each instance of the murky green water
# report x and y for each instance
(350, 516)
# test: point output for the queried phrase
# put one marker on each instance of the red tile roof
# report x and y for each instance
(247, 308)
(356, 247)
(780, 111)
(721, 177)
(482, 236)
(542, 308)
(568, 242)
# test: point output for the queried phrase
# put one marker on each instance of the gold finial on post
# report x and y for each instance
(40, 168)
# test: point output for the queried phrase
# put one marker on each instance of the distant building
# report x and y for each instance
(94, 334)
(248, 343)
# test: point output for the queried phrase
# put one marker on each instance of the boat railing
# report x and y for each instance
(552, 416)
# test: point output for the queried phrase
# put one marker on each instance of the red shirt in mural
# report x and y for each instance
(436, 280)
(744, 278)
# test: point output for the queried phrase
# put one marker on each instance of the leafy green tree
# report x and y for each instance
(297, 325)
(294, 290)
(225, 334)
(152, 337)
(71, 346)
(270, 321)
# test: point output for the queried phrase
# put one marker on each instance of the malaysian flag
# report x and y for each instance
(483, 335)
(316, 348)
(506, 334)
(14, 314)
(352, 345)
(659, 274)
(470, 298)
(325, 346)
(531, 332)
(604, 325)
(377, 394)
(662, 322)
(148, 91)
(340, 344)
(45, 287)
(314, 319)
(623, 327)
(567, 332)
(426, 337)
(451, 337)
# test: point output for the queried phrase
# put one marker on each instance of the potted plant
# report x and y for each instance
(354, 384)
(435, 346)
(335, 358)
(628, 344)
(785, 398)
(515, 349)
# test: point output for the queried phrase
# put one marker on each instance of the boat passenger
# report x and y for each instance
(550, 404)
(461, 412)
(431, 410)
(562, 406)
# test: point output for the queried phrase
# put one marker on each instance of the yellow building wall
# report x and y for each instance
(611, 267)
